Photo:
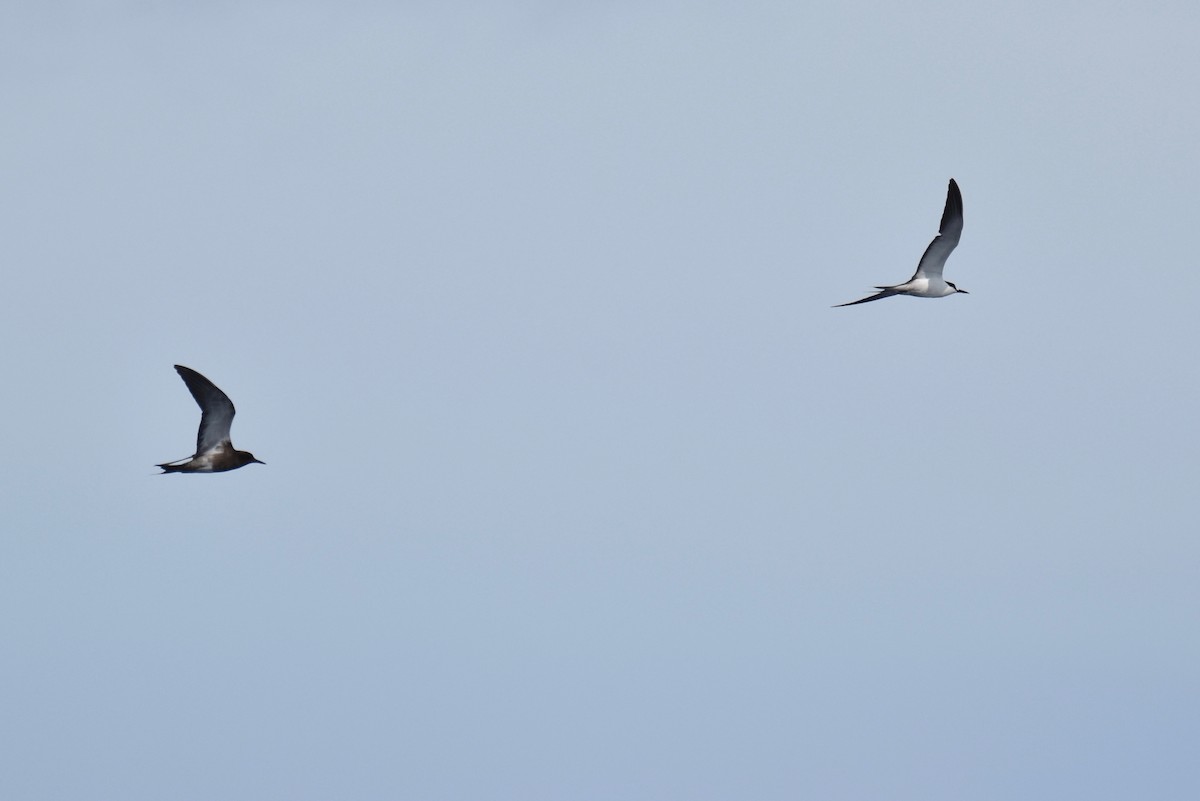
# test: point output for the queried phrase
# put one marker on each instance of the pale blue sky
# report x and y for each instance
(576, 486)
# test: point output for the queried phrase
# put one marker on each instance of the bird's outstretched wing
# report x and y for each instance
(949, 231)
(216, 410)
(886, 293)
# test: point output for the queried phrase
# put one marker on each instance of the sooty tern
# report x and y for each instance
(927, 281)
(214, 451)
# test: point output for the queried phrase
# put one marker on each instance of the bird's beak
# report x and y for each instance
(260, 461)
(965, 292)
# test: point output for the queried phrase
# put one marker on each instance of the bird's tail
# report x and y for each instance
(886, 293)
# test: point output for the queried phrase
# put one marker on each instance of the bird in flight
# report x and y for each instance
(214, 451)
(927, 281)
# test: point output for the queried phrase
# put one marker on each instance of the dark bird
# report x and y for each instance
(214, 452)
(927, 281)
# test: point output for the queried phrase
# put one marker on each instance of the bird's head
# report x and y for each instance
(956, 289)
(247, 457)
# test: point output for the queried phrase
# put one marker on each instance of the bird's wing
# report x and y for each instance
(216, 410)
(943, 244)
(886, 293)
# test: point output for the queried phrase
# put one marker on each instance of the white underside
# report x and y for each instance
(925, 288)
(203, 462)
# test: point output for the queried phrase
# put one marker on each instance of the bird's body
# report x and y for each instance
(214, 451)
(927, 281)
(215, 460)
